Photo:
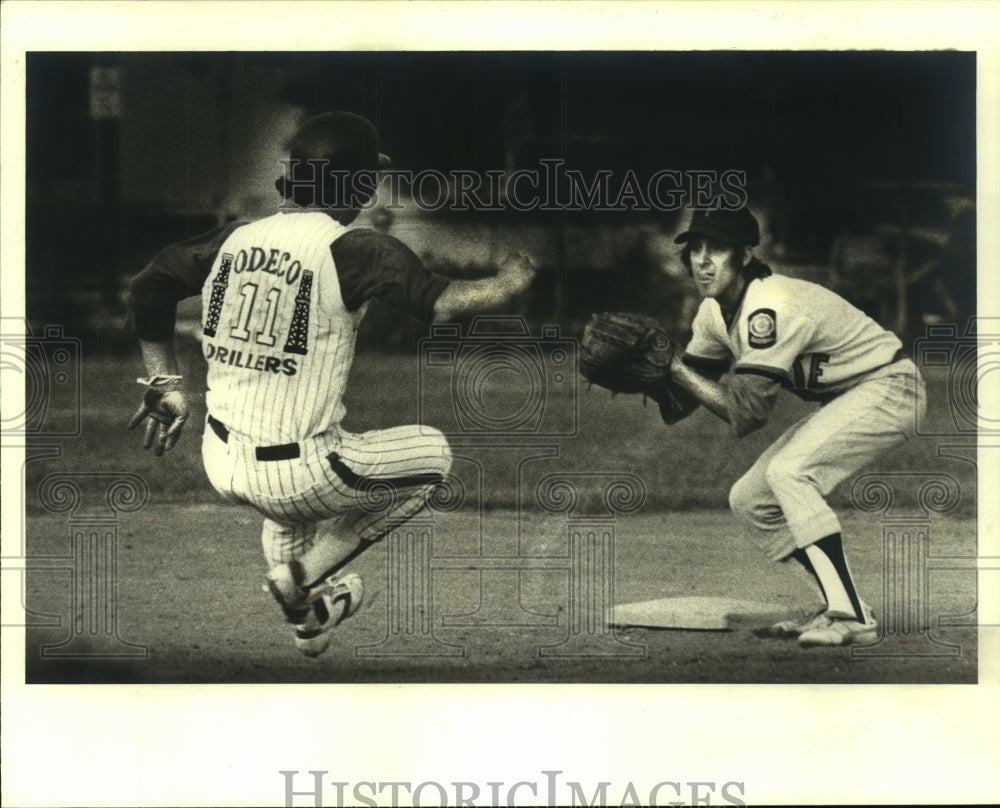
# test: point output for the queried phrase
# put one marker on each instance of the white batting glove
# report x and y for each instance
(165, 412)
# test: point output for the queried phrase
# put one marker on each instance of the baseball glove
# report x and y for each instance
(631, 353)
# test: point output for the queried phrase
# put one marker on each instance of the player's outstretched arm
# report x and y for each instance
(515, 274)
(164, 408)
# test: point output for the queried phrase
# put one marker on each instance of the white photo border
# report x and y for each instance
(201, 745)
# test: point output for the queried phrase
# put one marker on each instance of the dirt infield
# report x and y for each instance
(189, 596)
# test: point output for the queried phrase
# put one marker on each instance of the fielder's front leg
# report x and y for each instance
(755, 499)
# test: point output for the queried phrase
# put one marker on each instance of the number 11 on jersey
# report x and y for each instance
(265, 313)
(241, 329)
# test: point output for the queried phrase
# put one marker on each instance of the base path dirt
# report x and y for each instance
(490, 597)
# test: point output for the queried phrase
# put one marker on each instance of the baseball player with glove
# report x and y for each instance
(633, 353)
(777, 332)
(766, 332)
(282, 299)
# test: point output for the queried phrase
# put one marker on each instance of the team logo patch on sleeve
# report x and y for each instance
(762, 328)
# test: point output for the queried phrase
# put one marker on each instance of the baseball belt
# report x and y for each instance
(283, 451)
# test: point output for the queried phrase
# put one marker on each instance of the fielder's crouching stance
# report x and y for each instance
(282, 299)
(774, 332)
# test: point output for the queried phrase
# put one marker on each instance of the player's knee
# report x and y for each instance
(741, 498)
(750, 496)
(746, 496)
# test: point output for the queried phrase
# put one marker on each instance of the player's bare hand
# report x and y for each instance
(165, 414)
(516, 273)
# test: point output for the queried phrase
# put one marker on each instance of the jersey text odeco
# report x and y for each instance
(276, 263)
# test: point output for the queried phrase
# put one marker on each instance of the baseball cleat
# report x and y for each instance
(335, 600)
(790, 629)
(843, 631)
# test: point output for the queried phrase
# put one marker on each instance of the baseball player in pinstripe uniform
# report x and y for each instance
(282, 301)
(777, 332)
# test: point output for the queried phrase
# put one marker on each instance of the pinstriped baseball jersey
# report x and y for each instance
(282, 300)
(278, 339)
(796, 332)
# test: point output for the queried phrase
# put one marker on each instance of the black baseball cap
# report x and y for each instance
(345, 143)
(348, 142)
(735, 227)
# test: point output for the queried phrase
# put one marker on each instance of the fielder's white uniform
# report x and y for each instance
(279, 340)
(803, 337)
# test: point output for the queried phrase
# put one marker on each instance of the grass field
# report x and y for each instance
(190, 568)
(689, 465)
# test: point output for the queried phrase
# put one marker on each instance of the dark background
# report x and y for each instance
(862, 162)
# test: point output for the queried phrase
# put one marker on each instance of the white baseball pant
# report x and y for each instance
(782, 496)
(367, 481)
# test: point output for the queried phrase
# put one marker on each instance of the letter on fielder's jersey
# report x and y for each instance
(278, 340)
(796, 332)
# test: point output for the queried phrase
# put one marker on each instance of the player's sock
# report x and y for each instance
(830, 568)
(800, 555)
